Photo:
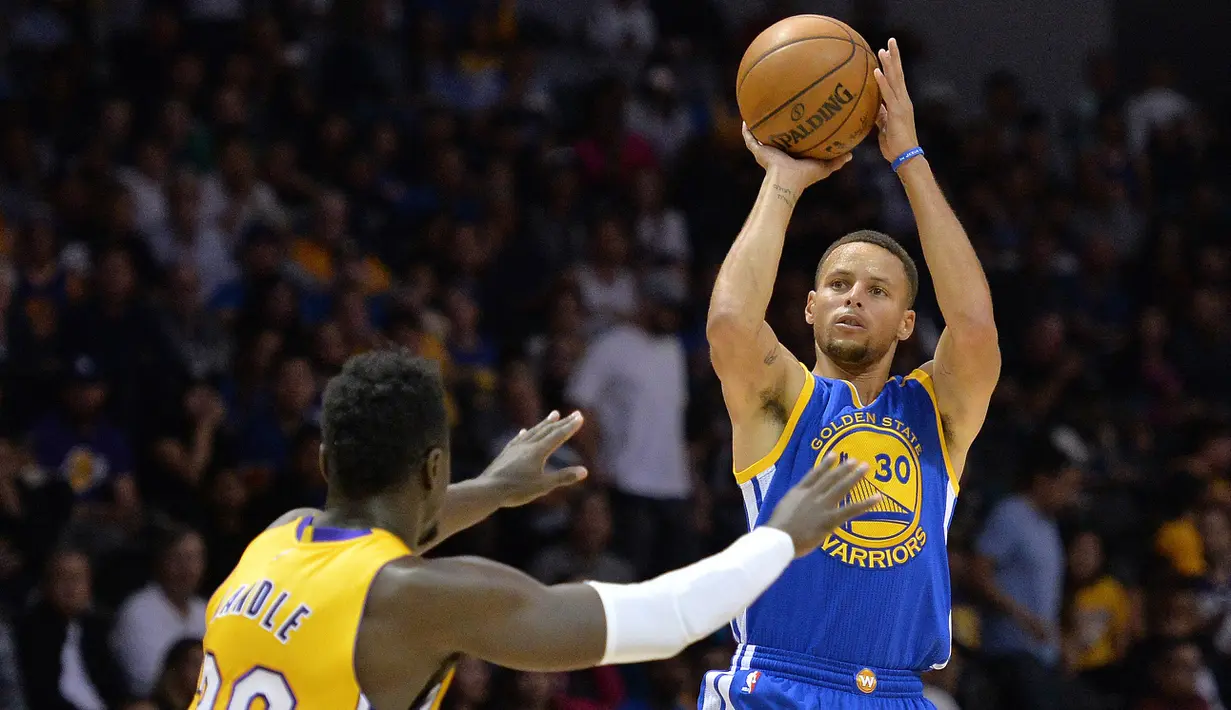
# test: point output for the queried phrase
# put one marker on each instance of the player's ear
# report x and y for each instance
(907, 326)
(435, 469)
(808, 306)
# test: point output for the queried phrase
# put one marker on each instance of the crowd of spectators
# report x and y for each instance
(206, 206)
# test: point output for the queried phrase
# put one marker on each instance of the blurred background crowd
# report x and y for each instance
(206, 206)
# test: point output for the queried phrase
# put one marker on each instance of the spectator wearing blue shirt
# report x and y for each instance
(1021, 576)
(79, 446)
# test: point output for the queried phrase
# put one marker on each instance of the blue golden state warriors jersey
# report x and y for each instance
(876, 592)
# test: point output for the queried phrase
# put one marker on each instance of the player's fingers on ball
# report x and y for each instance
(895, 63)
(899, 83)
(882, 56)
(749, 139)
(882, 117)
(887, 91)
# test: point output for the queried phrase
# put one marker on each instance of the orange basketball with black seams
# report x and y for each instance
(806, 86)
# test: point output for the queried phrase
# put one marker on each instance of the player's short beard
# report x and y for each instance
(848, 355)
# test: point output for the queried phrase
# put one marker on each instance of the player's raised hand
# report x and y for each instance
(813, 508)
(520, 469)
(896, 119)
(797, 172)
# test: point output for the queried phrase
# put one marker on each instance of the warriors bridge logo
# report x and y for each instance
(888, 535)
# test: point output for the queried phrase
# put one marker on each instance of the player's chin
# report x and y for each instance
(847, 350)
(846, 336)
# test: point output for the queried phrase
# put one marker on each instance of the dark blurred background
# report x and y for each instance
(206, 206)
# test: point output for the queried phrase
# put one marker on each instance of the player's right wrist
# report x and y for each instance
(771, 525)
(783, 186)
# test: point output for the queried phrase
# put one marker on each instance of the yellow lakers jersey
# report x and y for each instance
(281, 629)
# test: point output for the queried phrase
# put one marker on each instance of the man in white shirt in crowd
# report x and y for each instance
(632, 382)
(162, 612)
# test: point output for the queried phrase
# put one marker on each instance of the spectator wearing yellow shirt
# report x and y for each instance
(1100, 623)
(1178, 541)
(327, 255)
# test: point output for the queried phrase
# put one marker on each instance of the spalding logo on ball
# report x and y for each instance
(805, 85)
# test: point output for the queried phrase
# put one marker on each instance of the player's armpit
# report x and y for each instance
(493, 612)
(755, 369)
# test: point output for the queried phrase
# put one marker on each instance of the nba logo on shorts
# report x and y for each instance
(865, 680)
(750, 682)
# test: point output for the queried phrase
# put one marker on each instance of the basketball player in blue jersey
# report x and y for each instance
(856, 622)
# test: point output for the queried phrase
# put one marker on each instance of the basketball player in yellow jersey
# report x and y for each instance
(336, 610)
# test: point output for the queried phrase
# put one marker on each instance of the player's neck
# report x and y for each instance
(368, 513)
(868, 381)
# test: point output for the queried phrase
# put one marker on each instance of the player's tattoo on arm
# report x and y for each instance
(785, 194)
(772, 355)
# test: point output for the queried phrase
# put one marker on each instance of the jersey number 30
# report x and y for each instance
(259, 683)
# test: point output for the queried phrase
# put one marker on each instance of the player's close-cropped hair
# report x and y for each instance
(886, 242)
(381, 416)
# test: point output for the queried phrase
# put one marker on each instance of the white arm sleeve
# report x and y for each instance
(658, 618)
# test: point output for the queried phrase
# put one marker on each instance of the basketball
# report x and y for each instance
(806, 86)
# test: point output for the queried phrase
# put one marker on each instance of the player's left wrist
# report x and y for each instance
(910, 163)
(914, 167)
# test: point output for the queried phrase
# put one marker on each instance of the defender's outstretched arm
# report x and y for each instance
(485, 609)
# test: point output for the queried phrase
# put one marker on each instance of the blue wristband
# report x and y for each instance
(912, 153)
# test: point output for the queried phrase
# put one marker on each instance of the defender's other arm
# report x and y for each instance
(967, 362)
(516, 477)
(493, 612)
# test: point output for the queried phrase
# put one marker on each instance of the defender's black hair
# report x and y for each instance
(381, 416)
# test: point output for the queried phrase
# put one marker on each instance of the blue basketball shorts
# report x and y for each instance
(767, 679)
